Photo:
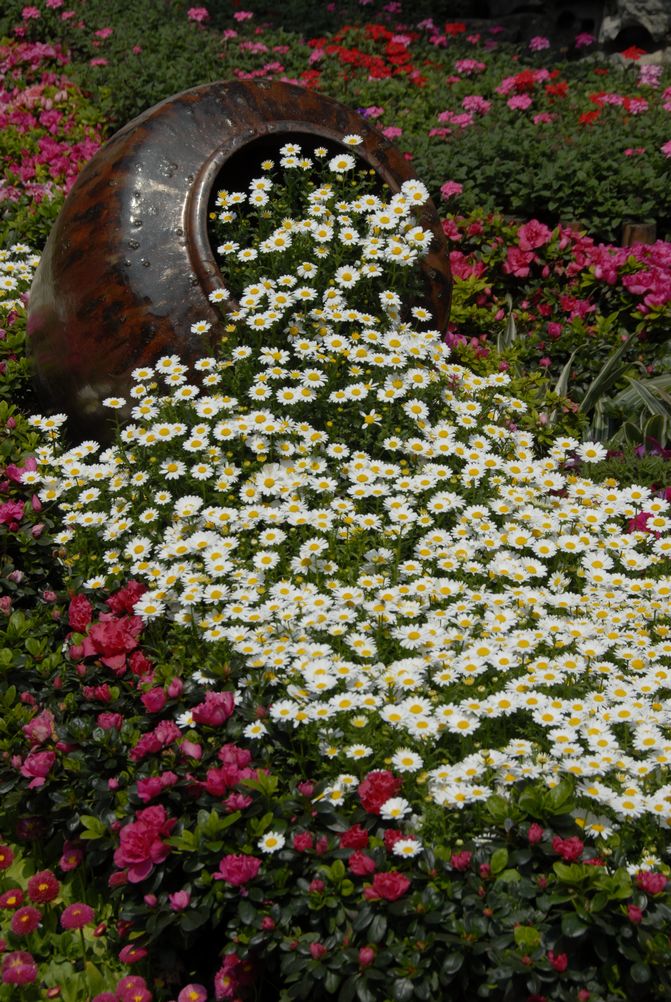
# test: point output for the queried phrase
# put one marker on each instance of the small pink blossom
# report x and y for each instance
(666, 149)
(451, 188)
(519, 102)
(243, 15)
(198, 14)
(538, 43)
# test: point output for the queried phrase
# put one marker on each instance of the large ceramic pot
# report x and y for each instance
(128, 265)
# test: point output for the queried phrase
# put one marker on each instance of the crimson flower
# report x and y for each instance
(378, 787)
(390, 886)
(77, 915)
(43, 887)
(238, 870)
(25, 920)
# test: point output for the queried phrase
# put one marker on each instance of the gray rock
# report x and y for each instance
(647, 17)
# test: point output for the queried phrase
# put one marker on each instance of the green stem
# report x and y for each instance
(83, 945)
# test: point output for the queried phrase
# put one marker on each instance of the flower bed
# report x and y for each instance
(325, 680)
(585, 140)
(314, 709)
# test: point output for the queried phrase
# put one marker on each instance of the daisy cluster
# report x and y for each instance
(360, 528)
(305, 209)
(17, 267)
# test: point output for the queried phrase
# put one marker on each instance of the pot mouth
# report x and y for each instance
(235, 163)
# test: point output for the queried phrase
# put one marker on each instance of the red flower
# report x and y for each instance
(535, 833)
(141, 845)
(80, 613)
(391, 837)
(651, 882)
(570, 849)
(112, 639)
(366, 956)
(558, 960)
(355, 837)
(390, 886)
(361, 864)
(633, 52)
(303, 841)
(77, 915)
(454, 28)
(378, 787)
(238, 870)
(215, 710)
(43, 887)
(6, 857)
(124, 600)
(25, 920)
(589, 117)
(461, 861)
(634, 914)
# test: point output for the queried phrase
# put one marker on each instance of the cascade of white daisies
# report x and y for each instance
(359, 527)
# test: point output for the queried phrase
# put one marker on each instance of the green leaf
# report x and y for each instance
(559, 799)
(561, 386)
(364, 994)
(527, 937)
(246, 911)
(331, 981)
(191, 920)
(640, 973)
(572, 926)
(377, 929)
(362, 919)
(94, 827)
(604, 379)
(452, 963)
(499, 860)
(402, 990)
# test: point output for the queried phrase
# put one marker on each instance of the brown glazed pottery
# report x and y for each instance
(128, 265)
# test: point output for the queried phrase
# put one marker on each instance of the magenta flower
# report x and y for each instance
(12, 898)
(651, 882)
(77, 915)
(238, 870)
(519, 102)
(179, 900)
(198, 14)
(451, 188)
(141, 842)
(25, 920)
(43, 887)
(215, 710)
(6, 857)
(11, 513)
(666, 149)
(37, 766)
(18, 968)
(132, 954)
(193, 993)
